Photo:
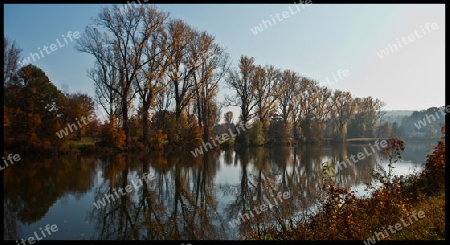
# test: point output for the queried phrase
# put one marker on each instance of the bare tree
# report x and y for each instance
(320, 103)
(105, 78)
(343, 111)
(213, 67)
(267, 83)
(242, 82)
(370, 111)
(180, 70)
(127, 33)
(301, 108)
(228, 118)
(313, 108)
(151, 82)
(287, 93)
(11, 55)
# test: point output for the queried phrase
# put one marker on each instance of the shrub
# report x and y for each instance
(111, 136)
(256, 135)
(434, 173)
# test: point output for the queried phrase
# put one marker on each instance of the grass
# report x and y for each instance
(83, 143)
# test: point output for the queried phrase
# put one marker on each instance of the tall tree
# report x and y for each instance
(312, 109)
(105, 77)
(150, 81)
(367, 113)
(213, 67)
(182, 65)
(267, 83)
(127, 33)
(287, 93)
(304, 109)
(242, 82)
(342, 113)
(321, 104)
(300, 108)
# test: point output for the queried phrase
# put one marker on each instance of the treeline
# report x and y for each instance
(158, 78)
(174, 71)
(293, 109)
(423, 124)
(420, 125)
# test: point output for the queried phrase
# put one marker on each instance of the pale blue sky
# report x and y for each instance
(315, 42)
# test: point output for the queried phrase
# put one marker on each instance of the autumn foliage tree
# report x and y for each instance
(434, 174)
(112, 135)
(32, 107)
(74, 107)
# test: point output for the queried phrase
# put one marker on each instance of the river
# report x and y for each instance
(185, 198)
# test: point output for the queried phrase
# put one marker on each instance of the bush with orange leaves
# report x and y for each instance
(434, 172)
(111, 135)
(343, 216)
(346, 217)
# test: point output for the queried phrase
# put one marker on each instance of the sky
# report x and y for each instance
(318, 41)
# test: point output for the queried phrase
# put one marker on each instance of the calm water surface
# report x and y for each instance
(188, 198)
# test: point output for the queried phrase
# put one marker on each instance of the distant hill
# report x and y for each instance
(396, 116)
(424, 124)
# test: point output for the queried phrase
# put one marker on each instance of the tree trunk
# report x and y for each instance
(145, 125)
(125, 122)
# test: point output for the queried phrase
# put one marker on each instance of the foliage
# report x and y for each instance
(164, 127)
(32, 108)
(416, 125)
(76, 107)
(433, 176)
(343, 216)
(278, 133)
(384, 130)
(435, 165)
(111, 135)
(256, 134)
(191, 131)
(313, 132)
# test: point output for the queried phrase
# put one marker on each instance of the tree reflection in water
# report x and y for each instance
(184, 201)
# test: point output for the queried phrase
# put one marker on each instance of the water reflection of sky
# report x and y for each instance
(72, 211)
(401, 167)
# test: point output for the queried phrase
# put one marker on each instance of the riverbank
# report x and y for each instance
(342, 216)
